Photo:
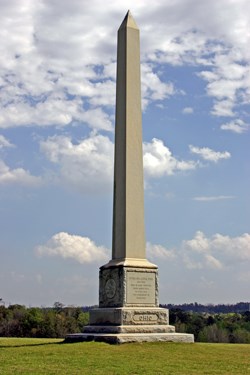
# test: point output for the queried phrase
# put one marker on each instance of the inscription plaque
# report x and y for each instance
(140, 288)
(145, 318)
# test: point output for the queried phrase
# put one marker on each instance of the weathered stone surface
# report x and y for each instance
(128, 209)
(128, 286)
(129, 316)
(140, 287)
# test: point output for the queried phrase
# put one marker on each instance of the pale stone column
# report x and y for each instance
(128, 210)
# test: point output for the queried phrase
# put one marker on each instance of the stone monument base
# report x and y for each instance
(128, 309)
(126, 324)
(122, 338)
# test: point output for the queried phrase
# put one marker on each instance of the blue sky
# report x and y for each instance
(57, 97)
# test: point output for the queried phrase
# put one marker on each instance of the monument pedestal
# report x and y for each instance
(128, 309)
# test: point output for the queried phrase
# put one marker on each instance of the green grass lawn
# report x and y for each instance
(50, 356)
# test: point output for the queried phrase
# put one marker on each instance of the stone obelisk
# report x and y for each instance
(128, 212)
(128, 285)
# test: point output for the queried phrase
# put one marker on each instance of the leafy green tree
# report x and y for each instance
(82, 320)
(213, 333)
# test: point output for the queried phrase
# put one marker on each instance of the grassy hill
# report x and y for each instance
(51, 356)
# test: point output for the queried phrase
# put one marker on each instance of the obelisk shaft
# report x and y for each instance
(128, 210)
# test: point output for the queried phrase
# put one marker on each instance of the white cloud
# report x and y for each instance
(56, 66)
(48, 65)
(208, 154)
(159, 251)
(55, 110)
(237, 248)
(191, 263)
(213, 198)
(57, 61)
(17, 176)
(215, 252)
(212, 262)
(221, 49)
(235, 126)
(81, 249)
(97, 119)
(86, 165)
(223, 108)
(224, 88)
(153, 89)
(4, 142)
(199, 243)
(188, 110)
(159, 161)
(228, 81)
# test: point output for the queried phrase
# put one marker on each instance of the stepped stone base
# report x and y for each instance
(122, 338)
(130, 329)
(126, 324)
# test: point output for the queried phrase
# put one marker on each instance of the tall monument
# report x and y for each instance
(128, 285)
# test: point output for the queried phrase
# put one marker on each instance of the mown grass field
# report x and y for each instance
(50, 356)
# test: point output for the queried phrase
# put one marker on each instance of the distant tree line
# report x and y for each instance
(227, 328)
(20, 321)
(210, 308)
(57, 321)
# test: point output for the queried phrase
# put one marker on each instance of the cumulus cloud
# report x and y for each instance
(153, 89)
(237, 248)
(215, 252)
(159, 161)
(54, 110)
(216, 48)
(17, 176)
(199, 243)
(56, 78)
(48, 71)
(212, 262)
(159, 251)
(228, 82)
(235, 126)
(57, 61)
(223, 108)
(87, 165)
(208, 154)
(81, 249)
